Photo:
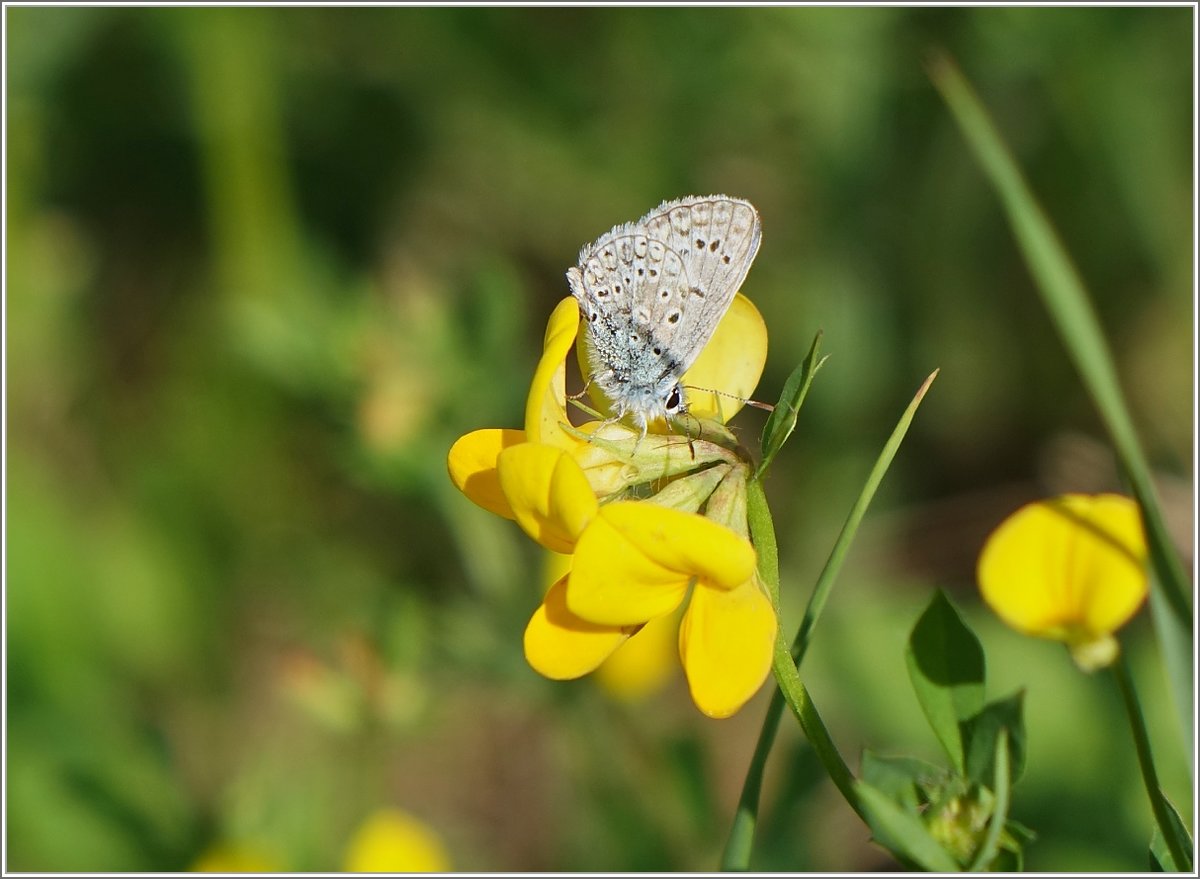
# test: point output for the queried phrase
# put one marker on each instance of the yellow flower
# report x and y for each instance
(634, 561)
(612, 455)
(1072, 568)
(392, 841)
(641, 665)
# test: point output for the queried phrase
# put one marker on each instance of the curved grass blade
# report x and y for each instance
(1070, 309)
(741, 834)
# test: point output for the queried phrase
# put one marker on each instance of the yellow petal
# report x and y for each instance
(392, 841)
(545, 408)
(548, 494)
(472, 465)
(644, 664)
(731, 362)
(555, 566)
(635, 561)
(560, 645)
(1071, 568)
(726, 643)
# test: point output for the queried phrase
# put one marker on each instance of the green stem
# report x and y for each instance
(741, 835)
(791, 691)
(1141, 740)
(797, 698)
(1001, 785)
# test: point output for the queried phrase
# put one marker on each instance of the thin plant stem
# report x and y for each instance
(741, 834)
(791, 691)
(1141, 742)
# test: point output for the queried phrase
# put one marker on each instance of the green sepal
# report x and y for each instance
(783, 418)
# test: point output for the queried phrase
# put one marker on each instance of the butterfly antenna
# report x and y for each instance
(767, 407)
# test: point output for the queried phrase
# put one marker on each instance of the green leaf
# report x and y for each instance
(902, 779)
(783, 418)
(980, 733)
(901, 831)
(945, 663)
(1161, 860)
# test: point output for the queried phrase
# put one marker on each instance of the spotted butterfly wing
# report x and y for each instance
(652, 293)
(716, 238)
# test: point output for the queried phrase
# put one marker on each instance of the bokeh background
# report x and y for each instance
(265, 265)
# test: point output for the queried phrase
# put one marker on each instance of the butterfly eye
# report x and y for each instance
(673, 400)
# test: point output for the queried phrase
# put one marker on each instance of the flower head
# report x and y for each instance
(1071, 568)
(626, 509)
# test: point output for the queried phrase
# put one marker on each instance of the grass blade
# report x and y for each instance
(741, 836)
(1071, 312)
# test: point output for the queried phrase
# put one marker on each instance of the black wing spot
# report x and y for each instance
(602, 292)
(657, 351)
(673, 317)
(664, 293)
(699, 243)
(654, 273)
(714, 245)
(725, 259)
(643, 271)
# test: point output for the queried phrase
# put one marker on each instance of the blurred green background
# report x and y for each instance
(265, 265)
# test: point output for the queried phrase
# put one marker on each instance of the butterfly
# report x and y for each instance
(652, 292)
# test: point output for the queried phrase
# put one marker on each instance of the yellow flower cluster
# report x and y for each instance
(626, 510)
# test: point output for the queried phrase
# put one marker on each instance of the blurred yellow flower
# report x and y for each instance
(235, 858)
(642, 665)
(633, 561)
(392, 841)
(1071, 568)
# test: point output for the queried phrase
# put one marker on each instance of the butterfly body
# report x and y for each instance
(652, 292)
